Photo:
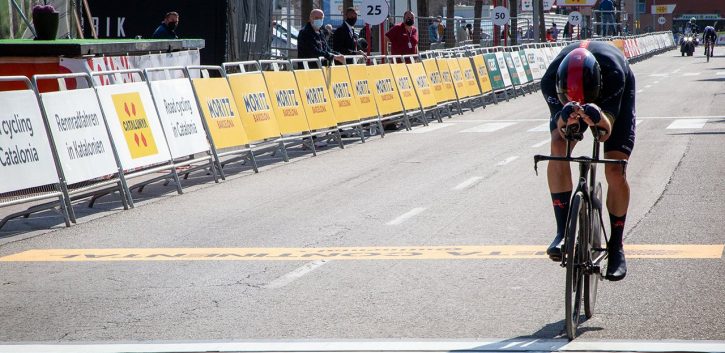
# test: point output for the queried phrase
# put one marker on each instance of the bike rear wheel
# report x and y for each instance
(577, 227)
(597, 241)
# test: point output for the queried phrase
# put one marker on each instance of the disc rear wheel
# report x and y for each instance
(597, 242)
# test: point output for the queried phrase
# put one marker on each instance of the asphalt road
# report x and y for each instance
(466, 182)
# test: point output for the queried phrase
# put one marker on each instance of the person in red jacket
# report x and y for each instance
(403, 36)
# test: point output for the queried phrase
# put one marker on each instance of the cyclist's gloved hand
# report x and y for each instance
(568, 110)
(593, 112)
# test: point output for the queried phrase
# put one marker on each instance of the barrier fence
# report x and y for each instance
(73, 144)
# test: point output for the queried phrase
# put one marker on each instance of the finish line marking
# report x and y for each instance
(635, 251)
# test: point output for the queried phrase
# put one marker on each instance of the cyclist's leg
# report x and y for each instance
(619, 146)
(560, 185)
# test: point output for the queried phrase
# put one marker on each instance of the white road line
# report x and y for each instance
(405, 216)
(290, 277)
(656, 82)
(648, 86)
(488, 127)
(468, 182)
(690, 74)
(640, 91)
(426, 129)
(537, 145)
(507, 161)
(720, 73)
(638, 122)
(381, 346)
(688, 124)
(540, 128)
(659, 75)
(683, 117)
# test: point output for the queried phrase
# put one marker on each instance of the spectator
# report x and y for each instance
(403, 36)
(167, 28)
(530, 32)
(549, 36)
(567, 31)
(441, 28)
(311, 42)
(433, 31)
(469, 31)
(606, 8)
(345, 40)
(554, 32)
(461, 33)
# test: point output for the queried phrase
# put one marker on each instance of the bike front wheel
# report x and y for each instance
(577, 228)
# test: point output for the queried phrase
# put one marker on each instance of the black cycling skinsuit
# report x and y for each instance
(616, 97)
(709, 32)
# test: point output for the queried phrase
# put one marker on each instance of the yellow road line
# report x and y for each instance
(635, 251)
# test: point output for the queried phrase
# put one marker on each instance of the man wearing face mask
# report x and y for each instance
(311, 43)
(345, 40)
(167, 29)
(403, 36)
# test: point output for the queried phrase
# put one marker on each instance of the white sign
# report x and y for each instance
(527, 5)
(79, 133)
(26, 160)
(500, 16)
(134, 124)
(721, 38)
(180, 116)
(575, 18)
(519, 65)
(503, 69)
(374, 12)
(548, 4)
(661, 20)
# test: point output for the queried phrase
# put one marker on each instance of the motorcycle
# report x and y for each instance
(688, 44)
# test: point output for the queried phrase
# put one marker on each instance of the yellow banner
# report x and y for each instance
(135, 124)
(448, 90)
(384, 89)
(436, 81)
(220, 112)
(397, 253)
(422, 84)
(287, 102)
(457, 77)
(619, 44)
(469, 77)
(482, 72)
(315, 99)
(255, 108)
(405, 86)
(344, 103)
(363, 94)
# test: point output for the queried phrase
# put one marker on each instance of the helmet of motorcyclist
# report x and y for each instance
(578, 78)
(692, 20)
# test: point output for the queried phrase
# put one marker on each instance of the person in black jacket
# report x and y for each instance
(311, 43)
(345, 40)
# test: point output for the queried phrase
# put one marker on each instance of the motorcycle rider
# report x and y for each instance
(709, 34)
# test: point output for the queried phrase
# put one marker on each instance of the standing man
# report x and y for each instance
(311, 42)
(403, 36)
(345, 40)
(167, 28)
(606, 8)
(433, 31)
(554, 32)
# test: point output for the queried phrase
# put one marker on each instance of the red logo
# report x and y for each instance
(618, 224)
(558, 203)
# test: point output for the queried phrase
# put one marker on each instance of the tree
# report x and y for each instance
(542, 20)
(477, 13)
(423, 26)
(450, 25)
(513, 28)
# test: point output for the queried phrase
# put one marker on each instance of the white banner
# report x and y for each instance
(26, 159)
(180, 116)
(79, 134)
(504, 69)
(519, 66)
(134, 124)
(108, 63)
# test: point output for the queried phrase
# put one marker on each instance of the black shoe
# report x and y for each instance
(616, 265)
(554, 250)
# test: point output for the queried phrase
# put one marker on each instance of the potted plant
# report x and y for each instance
(45, 21)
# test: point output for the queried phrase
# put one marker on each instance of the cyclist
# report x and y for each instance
(709, 34)
(590, 83)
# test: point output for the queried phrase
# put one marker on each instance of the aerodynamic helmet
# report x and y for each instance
(578, 78)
